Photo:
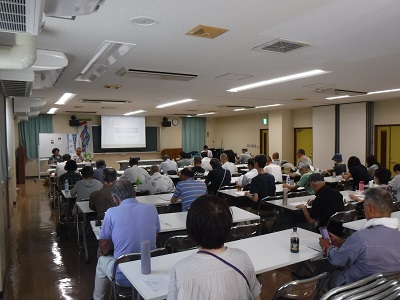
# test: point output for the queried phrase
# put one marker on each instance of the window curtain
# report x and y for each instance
(193, 134)
(29, 133)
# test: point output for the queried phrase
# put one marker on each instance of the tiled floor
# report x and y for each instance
(41, 267)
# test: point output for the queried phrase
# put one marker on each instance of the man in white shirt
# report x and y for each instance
(273, 169)
(227, 165)
(246, 178)
(131, 174)
(244, 157)
(275, 159)
(205, 161)
(156, 183)
(209, 152)
(78, 157)
(168, 165)
(61, 165)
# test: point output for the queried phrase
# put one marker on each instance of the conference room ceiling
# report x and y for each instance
(358, 42)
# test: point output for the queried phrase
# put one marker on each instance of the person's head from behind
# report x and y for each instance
(133, 161)
(275, 155)
(304, 168)
(122, 189)
(66, 157)
(260, 160)
(316, 182)
(182, 155)
(396, 168)
(250, 163)
(244, 150)
(300, 153)
(186, 173)
(109, 176)
(205, 148)
(382, 176)
(154, 169)
(71, 166)
(371, 160)
(204, 154)
(100, 163)
(337, 158)
(378, 203)
(165, 157)
(353, 161)
(269, 160)
(56, 152)
(224, 158)
(209, 221)
(197, 161)
(87, 172)
(215, 163)
(78, 151)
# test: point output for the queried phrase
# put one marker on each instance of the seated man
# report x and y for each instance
(339, 168)
(244, 157)
(395, 182)
(98, 173)
(125, 226)
(217, 178)
(205, 161)
(197, 169)
(327, 202)
(245, 179)
(301, 155)
(227, 165)
(262, 185)
(374, 249)
(273, 169)
(188, 189)
(305, 171)
(101, 200)
(168, 165)
(83, 188)
(208, 152)
(78, 157)
(183, 161)
(156, 183)
(134, 172)
(275, 159)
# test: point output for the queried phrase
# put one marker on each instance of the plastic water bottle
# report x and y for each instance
(145, 257)
(285, 196)
(294, 241)
(66, 186)
(137, 181)
(361, 186)
(287, 179)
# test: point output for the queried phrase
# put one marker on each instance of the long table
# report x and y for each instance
(83, 207)
(359, 224)
(157, 200)
(267, 252)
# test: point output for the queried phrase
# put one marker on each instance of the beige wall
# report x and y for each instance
(387, 112)
(302, 118)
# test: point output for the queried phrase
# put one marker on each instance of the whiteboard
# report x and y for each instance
(63, 141)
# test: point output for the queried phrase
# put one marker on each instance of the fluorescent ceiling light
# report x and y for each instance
(338, 97)
(108, 53)
(385, 91)
(65, 98)
(134, 112)
(52, 110)
(174, 103)
(209, 113)
(265, 106)
(240, 109)
(278, 80)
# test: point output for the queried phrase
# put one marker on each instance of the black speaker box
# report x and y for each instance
(73, 122)
(166, 123)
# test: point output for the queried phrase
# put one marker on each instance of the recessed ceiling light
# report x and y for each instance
(175, 103)
(134, 112)
(208, 113)
(337, 97)
(52, 110)
(278, 80)
(143, 21)
(65, 98)
(271, 105)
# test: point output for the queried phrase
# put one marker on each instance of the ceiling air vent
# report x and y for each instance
(281, 46)
(16, 88)
(80, 112)
(93, 101)
(235, 106)
(205, 31)
(338, 92)
(126, 72)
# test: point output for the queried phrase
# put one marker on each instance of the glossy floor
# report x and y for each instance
(42, 267)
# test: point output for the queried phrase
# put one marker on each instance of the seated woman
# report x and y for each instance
(207, 274)
(72, 175)
(356, 171)
(372, 165)
(382, 177)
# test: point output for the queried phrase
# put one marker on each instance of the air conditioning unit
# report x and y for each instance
(70, 8)
(21, 16)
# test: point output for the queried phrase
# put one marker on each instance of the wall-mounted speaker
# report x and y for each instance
(74, 121)
(165, 122)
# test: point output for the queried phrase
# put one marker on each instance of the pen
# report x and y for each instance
(168, 224)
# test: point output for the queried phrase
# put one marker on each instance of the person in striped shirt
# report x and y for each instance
(188, 189)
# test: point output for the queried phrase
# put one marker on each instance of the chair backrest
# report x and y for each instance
(300, 289)
(172, 172)
(179, 243)
(84, 199)
(265, 200)
(343, 217)
(377, 292)
(244, 231)
(396, 206)
(173, 207)
(297, 194)
(352, 286)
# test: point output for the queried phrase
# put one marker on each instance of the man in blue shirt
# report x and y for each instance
(374, 249)
(125, 226)
(188, 189)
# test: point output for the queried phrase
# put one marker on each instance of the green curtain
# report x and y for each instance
(29, 133)
(193, 134)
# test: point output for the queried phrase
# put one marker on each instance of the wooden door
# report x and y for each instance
(264, 141)
(387, 145)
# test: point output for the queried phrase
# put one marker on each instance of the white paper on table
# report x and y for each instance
(240, 193)
(311, 243)
(157, 283)
(300, 203)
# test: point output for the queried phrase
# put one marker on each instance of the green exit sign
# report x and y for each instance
(265, 121)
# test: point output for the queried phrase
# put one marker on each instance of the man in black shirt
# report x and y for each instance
(327, 202)
(217, 178)
(197, 169)
(262, 185)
